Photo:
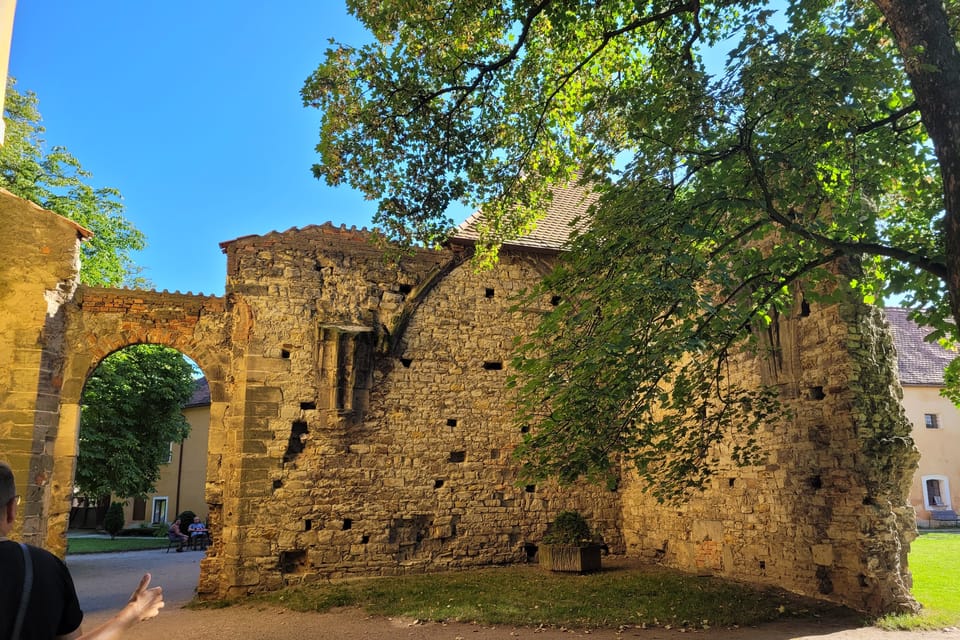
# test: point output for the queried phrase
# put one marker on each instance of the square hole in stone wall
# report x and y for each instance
(457, 456)
(493, 365)
(293, 561)
(816, 393)
(451, 422)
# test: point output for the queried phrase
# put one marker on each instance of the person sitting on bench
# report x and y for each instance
(198, 534)
(176, 535)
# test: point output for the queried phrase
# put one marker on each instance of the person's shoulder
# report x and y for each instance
(42, 555)
(12, 546)
(40, 558)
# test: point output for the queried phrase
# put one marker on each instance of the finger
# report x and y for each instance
(144, 583)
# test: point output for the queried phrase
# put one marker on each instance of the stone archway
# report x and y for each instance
(100, 321)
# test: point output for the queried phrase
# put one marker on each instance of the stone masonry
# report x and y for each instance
(360, 424)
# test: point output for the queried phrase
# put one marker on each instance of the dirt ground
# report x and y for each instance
(104, 580)
(261, 623)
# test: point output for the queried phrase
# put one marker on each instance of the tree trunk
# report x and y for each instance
(932, 63)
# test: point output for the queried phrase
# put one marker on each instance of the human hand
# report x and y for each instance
(145, 603)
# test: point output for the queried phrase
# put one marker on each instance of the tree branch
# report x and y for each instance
(790, 224)
(893, 117)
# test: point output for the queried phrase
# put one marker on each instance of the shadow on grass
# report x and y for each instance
(624, 594)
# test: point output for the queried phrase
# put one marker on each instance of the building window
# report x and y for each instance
(169, 455)
(931, 421)
(139, 509)
(936, 492)
(159, 510)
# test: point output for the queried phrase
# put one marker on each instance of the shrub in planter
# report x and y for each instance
(568, 545)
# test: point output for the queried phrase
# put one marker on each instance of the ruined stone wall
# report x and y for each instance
(39, 269)
(827, 514)
(379, 433)
(360, 424)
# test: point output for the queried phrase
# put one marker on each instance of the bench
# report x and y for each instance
(945, 516)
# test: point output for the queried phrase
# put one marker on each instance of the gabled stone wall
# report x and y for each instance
(378, 430)
(39, 271)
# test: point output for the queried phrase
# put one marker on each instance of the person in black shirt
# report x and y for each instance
(52, 611)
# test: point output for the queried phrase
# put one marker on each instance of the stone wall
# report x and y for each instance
(360, 424)
(378, 431)
(827, 514)
(39, 270)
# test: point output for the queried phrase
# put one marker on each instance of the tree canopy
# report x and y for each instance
(55, 180)
(749, 156)
(131, 412)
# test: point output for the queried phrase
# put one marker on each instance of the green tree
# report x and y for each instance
(55, 180)
(750, 156)
(114, 520)
(131, 412)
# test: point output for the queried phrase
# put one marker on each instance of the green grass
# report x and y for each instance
(106, 545)
(935, 563)
(530, 596)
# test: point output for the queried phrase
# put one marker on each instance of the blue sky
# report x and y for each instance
(192, 111)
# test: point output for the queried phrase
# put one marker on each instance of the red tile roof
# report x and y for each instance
(552, 231)
(918, 361)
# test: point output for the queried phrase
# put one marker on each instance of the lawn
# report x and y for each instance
(935, 563)
(106, 545)
(528, 595)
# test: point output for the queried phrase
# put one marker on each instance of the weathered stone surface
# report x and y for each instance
(360, 424)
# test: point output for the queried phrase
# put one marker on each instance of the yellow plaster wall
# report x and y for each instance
(939, 448)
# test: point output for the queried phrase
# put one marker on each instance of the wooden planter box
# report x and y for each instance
(568, 557)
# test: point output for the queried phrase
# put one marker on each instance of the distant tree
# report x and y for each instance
(54, 179)
(131, 412)
(114, 521)
(186, 519)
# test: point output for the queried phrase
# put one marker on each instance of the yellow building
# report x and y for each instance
(183, 479)
(936, 421)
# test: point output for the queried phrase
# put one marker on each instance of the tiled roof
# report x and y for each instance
(201, 394)
(918, 361)
(552, 231)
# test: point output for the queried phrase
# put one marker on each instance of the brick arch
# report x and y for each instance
(101, 321)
